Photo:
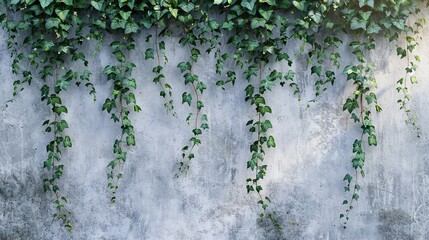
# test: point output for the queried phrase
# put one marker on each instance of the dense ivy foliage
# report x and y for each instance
(45, 38)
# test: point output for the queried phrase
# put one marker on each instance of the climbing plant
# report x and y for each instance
(246, 38)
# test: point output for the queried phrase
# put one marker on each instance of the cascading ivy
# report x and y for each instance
(44, 38)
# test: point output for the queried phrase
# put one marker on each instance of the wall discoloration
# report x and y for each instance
(395, 224)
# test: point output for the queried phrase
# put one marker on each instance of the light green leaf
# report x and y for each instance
(265, 14)
(271, 142)
(99, 5)
(187, 7)
(300, 5)
(62, 14)
(67, 142)
(45, 3)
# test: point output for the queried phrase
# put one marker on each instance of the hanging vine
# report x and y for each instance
(411, 42)
(54, 31)
(247, 38)
(190, 41)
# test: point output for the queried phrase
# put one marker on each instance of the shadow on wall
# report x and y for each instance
(395, 224)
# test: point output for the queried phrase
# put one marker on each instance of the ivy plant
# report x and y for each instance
(247, 39)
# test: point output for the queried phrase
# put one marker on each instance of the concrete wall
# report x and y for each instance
(304, 175)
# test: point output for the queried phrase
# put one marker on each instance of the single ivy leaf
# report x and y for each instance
(184, 66)
(187, 7)
(371, 98)
(47, 46)
(68, 2)
(316, 70)
(229, 25)
(200, 105)
(174, 12)
(62, 14)
(348, 178)
(316, 17)
(45, 3)
(62, 125)
(249, 5)
(373, 28)
(271, 142)
(372, 140)
(59, 110)
(186, 98)
(257, 22)
(358, 24)
(251, 164)
(63, 85)
(125, 14)
(252, 46)
(52, 22)
(131, 27)
(149, 54)
(67, 142)
(99, 5)
(300, 5)
(131, 141)
(369, 3)
(265, 14)
(266, 125)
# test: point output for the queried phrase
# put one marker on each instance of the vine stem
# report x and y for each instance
(156, 46)
(191, 62)
(121, 165)
(195, 89)
(55, 134)
(259, 149)
(259, 129)
(157, 55)
(121, 116)
(356, 170)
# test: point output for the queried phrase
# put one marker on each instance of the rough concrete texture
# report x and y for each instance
(304, 175)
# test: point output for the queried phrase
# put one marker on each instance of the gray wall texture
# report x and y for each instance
(304, 175)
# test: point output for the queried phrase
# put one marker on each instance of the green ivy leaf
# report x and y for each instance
(68, 2)
(62, 14)
(52, 23)
(131, 27)
(187, 7)
(266, 125)
(186, 98)
(131, 141)
(271, 142)
(59, 110)
(63, 85)
(358, 24)
(67, 142)
(249, 5)
(125, 15)
(174, 12)
(372, 140)
(45, 3)
(62, 125)
(149, 54)
(257, 22)
(266, 14)
(300, 5)
(99, 5)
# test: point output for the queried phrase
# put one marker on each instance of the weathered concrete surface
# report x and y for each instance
(304, 175)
